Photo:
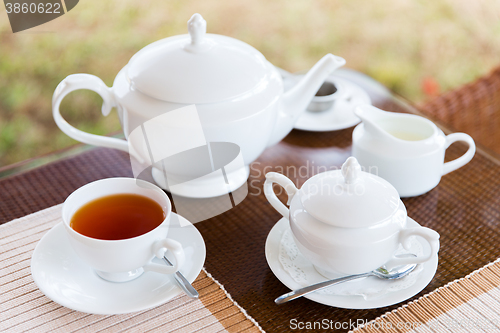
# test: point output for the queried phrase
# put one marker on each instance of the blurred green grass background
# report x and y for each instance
(416, 48)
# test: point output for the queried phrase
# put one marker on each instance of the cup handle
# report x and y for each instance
(287, 184)
(431, 236)
(159, 249)
(465, 158)
(90, 82)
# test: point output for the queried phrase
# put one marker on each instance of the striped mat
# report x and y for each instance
(470, 304)
(23, 306)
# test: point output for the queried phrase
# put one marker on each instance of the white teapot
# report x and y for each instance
(238, 94)
(348, 221)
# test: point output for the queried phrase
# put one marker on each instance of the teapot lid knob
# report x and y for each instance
(197, 28)
(351, 170)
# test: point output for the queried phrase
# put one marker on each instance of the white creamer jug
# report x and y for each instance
(405, 149)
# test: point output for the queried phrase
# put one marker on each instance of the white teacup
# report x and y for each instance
(125, 259)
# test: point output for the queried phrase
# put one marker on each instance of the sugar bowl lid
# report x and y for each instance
(197, 68)
(350, 197)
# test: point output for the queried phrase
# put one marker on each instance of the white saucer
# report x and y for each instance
(340, 116)
(64, 278)
(346, 301)
(208, 186)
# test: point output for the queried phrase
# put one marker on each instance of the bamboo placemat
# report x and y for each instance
(23, 307)
(469, 304)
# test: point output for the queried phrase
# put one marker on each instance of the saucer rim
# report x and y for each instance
(177, 290)
(354, 302)
(338, 127)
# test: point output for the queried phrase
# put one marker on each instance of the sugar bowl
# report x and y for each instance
(348, 221)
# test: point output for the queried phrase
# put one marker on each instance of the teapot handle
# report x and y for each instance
(431, 236)
(465, 158)
(90, 82)
(287, 184)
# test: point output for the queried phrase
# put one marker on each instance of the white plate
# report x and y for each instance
(340, 116)
(64, 278)
(346, 301)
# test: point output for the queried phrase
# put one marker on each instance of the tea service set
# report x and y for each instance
(339, 223)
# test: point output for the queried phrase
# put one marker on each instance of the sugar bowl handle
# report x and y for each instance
(287, 184)
(431, 236)
(89, 82)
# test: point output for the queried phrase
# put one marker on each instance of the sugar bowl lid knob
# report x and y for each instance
(197, 28)
(351, 170)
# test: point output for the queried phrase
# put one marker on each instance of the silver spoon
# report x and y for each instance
(183, 282)
(381, 272)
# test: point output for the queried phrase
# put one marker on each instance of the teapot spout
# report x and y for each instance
(296, 100)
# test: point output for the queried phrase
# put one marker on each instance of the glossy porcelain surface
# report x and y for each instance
(340, 115)
(220, 68)
(328, 94)
(66, 279)
(334, 197)
(238, 94)
(406, 150)
(347, 221)
(126, 259)
(383, 298)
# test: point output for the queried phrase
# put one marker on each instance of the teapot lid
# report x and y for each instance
(350, 197)
(197, 68)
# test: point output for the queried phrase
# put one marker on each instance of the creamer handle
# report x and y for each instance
(465, 158)
(287, 184)
(90, 82)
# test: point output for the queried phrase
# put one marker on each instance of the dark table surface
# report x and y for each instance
(464, 209)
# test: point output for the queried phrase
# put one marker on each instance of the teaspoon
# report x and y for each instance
(183, 282)
(381, 272)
